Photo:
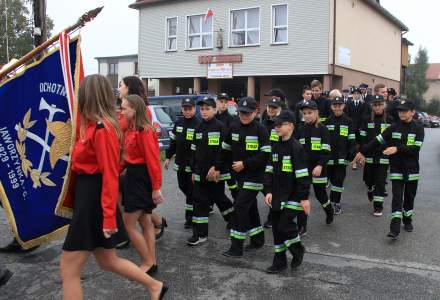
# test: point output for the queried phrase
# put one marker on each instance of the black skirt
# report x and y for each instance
(138, 190)
(85, 230)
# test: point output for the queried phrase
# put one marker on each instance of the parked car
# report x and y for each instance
(435, 122)
(163, 124)
(424, 118)
(173, 103)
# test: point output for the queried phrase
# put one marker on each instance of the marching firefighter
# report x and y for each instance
(247, 149)
(227, 119)
(376, 163)
(316, 142)
(287, 184)
(207, 171)
(181, 138)
(342, 144)
(403, 142)
(273, 109)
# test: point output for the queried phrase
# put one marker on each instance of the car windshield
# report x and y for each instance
(162, 116)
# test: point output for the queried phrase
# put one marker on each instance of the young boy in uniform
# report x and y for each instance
(342, 144)
(181, 138)
(403, 142)
(273, 109)
(208, 170)
(287, 184)
(247, 149)
(227, 119)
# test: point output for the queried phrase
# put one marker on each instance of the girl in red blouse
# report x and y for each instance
(95, 167)
(143, 180)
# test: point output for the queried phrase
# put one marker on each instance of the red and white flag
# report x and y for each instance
(208, 14)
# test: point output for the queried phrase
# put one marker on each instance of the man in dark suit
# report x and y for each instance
(356, 108)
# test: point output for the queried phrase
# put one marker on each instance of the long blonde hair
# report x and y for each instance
(96, 103)
(141, 119)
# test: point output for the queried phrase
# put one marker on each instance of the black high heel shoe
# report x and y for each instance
(161, 227)
(152, 270)
(163, 291)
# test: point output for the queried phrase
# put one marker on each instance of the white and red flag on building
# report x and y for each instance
(208, 14)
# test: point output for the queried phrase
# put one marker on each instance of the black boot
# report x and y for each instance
(329, 212)
(236, 249)
(407, 224)
(394, 228)
(297, 251)
(279, 263)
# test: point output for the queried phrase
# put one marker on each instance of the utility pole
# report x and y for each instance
(6, 31)
(40, 30)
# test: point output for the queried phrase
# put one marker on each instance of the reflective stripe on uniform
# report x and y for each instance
(193, 147)
(351, 136)
(396, 215)
(225, 176)
(378, 199)
(200, 220)
(280, 248)
(253, 186)
(289, 243)
(226, 146)
(269, 169)
(319, 180)
(326, 204)
(326, 147)
(396, 176)
(189, 207)
(413, 177)
(172, 135)
(380, 139)
(337, 189)
(292, 205)
(408, 213)
(384, 161)
(301, 173)
(228, 211)
(256, 230)
(266, 149)
(238, 235)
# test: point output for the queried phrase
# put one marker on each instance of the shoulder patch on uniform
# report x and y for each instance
(99, 125)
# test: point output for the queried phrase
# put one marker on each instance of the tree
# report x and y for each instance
(434, 106)
(19, 33)
(417, 84)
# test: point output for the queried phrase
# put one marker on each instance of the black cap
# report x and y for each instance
(274, 102)
(406, 105)
(346, 91)
(392, 92)
(377, 98)
(188, 102)
(337, 100)
(309, 104)
(285, 116)
(222, 96)
(326, 93)
(208, 101)
(363, 86)
(277, 93)
(247, 104)
(356, 90)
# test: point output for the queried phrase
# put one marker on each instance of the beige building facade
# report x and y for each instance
(266, 44)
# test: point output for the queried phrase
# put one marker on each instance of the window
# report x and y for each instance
(199, 32)
(113, 68)
(279, 24)
(172, 34)
(245, 27)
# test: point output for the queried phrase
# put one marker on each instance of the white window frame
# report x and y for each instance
(168, 37)
(273, 27)
(230, 45)
(202, 15)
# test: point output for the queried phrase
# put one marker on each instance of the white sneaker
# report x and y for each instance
(193, 241)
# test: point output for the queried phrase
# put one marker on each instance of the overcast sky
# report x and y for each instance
(115, 30)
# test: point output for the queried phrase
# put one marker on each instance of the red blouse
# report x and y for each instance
(141, 147)
(98, 152)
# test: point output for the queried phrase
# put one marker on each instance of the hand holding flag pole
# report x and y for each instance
(85, 18)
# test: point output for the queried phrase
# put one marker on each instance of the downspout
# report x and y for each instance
(334, 44)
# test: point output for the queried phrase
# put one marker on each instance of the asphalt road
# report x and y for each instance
(351, 259)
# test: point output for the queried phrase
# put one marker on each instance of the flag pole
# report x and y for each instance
(85, 18)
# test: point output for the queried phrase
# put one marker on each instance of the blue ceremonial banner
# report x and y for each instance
(35, 142)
